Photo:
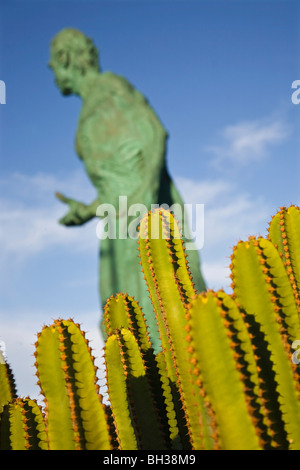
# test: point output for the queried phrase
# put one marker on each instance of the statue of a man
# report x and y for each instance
(122, 145)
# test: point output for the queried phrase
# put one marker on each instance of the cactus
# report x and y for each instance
(171, 289)
(123, 311)
(8, 389)
(284, 234)
(222, 366)
(137, 421)
(264, 293)
(22, 426)
(66, 373)
(224, 378)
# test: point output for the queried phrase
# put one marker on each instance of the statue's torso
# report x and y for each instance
(119, 138)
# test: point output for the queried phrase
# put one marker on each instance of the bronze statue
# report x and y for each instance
(122, 145)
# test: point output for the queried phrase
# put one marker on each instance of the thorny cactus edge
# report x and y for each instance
(224, 378)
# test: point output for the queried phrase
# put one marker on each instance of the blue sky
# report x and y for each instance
(218, 74)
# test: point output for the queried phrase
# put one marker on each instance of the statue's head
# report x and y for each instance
(72, 56)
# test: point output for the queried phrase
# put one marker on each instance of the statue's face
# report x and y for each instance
(60, 64)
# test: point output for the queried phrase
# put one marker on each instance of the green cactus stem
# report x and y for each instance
(122, 311)
(263, 292)
(22, 426)
(223, 366)
(133, 406)
(8, 389)
(284, 232)
(171, 289)
(75, 416)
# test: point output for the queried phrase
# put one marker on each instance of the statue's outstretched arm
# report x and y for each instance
(79, 213)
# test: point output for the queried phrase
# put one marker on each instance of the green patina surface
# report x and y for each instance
(122, 144)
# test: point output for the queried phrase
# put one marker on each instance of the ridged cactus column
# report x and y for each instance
(171, 288)
(8, 389)
(223, 367)
(22, 426)
(75, 416)
(133, 404)
(264, 293)
(122, 311)
(284, 233)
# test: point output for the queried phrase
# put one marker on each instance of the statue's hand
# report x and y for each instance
(78, 214)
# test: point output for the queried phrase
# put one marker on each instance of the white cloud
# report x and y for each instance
(248, 141)
(229, 215)
(41, 187)
(28, 231)
(217, 275)
(29, 215)
(29, 227)
(18, 333)
(202, 192)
